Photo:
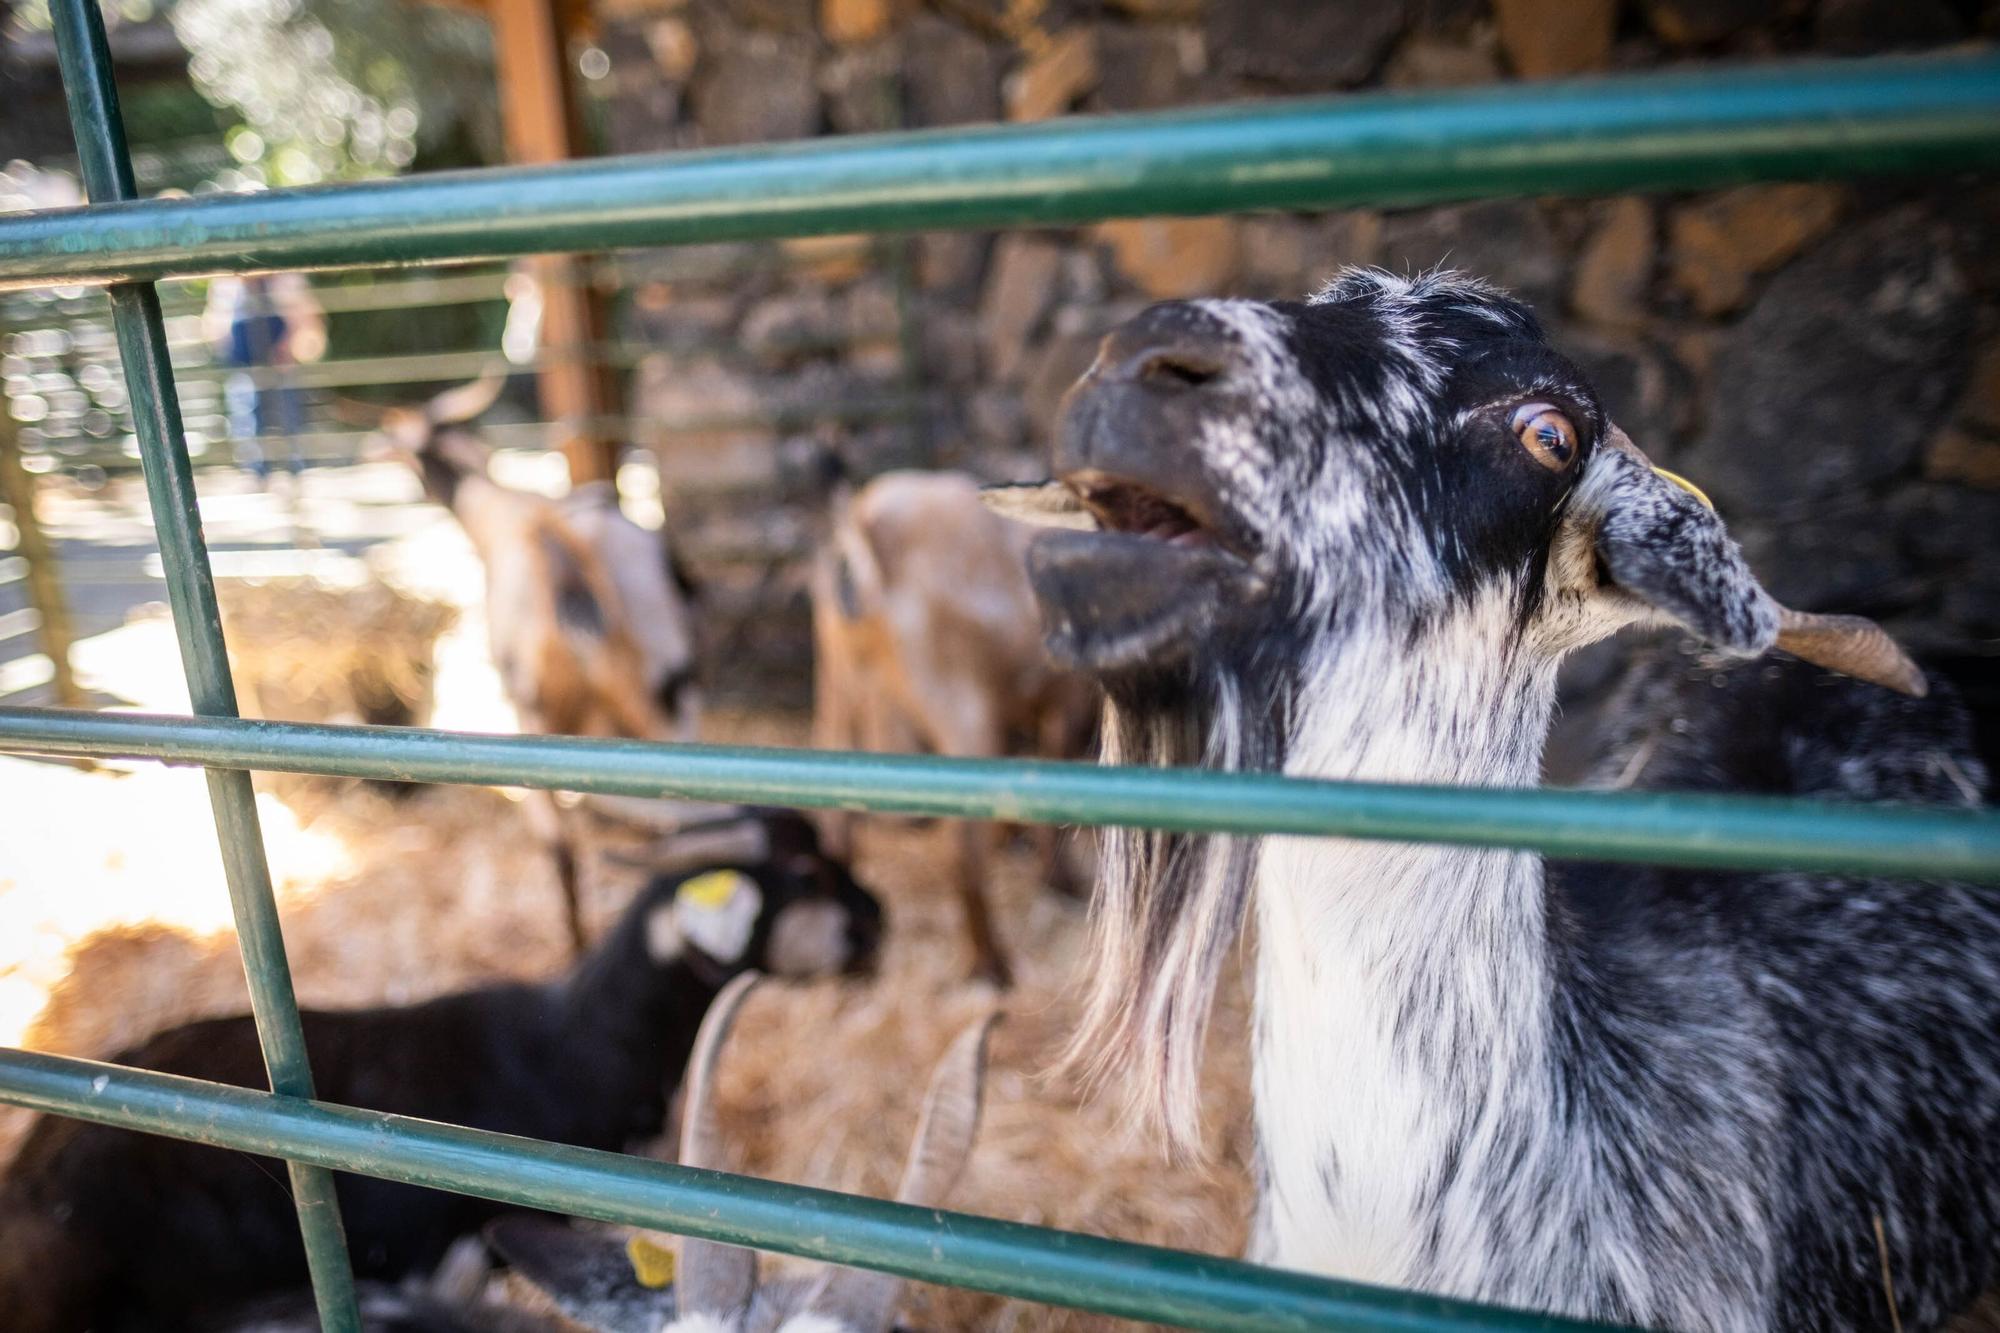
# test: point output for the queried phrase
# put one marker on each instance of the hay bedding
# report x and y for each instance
(444, 888)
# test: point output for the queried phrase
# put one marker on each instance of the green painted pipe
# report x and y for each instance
(1032, 1263)
(1697, 830)
(1677, 129)
(92, 94)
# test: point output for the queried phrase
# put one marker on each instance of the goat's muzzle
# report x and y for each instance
(1165, 561)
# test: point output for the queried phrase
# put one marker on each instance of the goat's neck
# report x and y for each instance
(637, 1012)
(1402, 990)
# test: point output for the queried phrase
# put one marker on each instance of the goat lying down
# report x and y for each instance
(716, 1289)
(110, 1230)
(1352, 538)
(590, 616)
(924, 639)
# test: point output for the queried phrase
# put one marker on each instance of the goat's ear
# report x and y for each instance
(1656, 543)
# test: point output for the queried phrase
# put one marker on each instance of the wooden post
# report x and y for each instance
(17, 490)
(538, 108)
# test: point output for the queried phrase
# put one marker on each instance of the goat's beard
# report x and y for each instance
(1169, 906)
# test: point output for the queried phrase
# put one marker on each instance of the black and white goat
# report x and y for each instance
(107, 1229)
(590, 616)
(1352, 538)
(715, 1288)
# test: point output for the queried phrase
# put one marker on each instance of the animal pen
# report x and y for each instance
(1670, 131)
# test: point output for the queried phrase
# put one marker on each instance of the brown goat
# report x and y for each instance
(590, 616)
(926, 637)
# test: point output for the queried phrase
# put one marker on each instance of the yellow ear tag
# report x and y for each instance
(1688, 486)
(713, 890)
(652, 1262)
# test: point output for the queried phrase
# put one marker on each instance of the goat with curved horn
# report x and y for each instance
(591, 618)
(593, 1279)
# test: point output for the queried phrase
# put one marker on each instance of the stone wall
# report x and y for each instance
(1824, 358)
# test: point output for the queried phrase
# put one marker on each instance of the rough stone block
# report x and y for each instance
(1173, 257)
(1547, 39)
(757, 87)
(849, 21)
(1055, 77)
(1303, 44)
(1147, 68)
(953, 78)
(1699, 22)
(1616, 267)
(1432, 62)
(1845, 368)
(1969, 459)
(1720, 244)
(1019, 289)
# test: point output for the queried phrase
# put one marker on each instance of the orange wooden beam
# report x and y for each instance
(538, 110)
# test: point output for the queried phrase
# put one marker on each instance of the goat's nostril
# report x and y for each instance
(1177, 367)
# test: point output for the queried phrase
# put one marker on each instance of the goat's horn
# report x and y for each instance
(467, 400)
(1042, 504)
(711, 1278)
(950, 1119)
(866, 1301)
(1852, 646)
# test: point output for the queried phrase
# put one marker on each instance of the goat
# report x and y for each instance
(105, 1228)
(715, 1288)
(1352, 538)
(924, 638)
(590, 616)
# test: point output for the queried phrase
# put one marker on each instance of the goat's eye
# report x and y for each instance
(1546, 434)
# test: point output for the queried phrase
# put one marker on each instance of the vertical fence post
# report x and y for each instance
(92, 93)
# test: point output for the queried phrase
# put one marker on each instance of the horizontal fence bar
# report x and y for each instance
(1694, 830)
(1008, 1258)
(1674, 130)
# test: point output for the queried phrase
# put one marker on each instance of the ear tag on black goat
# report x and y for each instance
(652, 1262)
(717, 912)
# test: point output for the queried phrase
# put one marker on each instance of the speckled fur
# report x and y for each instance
(1678, 1099)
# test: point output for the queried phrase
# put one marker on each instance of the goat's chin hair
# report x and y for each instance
(1167, 908)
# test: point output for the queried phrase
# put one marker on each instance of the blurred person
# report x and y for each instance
(264, 322)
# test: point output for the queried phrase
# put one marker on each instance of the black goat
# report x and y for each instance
(105, 1229)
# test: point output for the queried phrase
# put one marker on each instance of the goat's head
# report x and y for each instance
(431, 438)
(1371, 462)
(1350, 498)
(716, 1287)
(755, 890)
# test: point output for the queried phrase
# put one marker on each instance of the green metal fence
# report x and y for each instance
(1652, 132)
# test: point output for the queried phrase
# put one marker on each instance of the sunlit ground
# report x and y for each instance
(122, 857)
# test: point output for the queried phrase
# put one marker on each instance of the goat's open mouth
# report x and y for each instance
(1156, 579)
(1122, 505)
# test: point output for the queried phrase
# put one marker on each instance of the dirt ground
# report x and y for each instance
(113, 923)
